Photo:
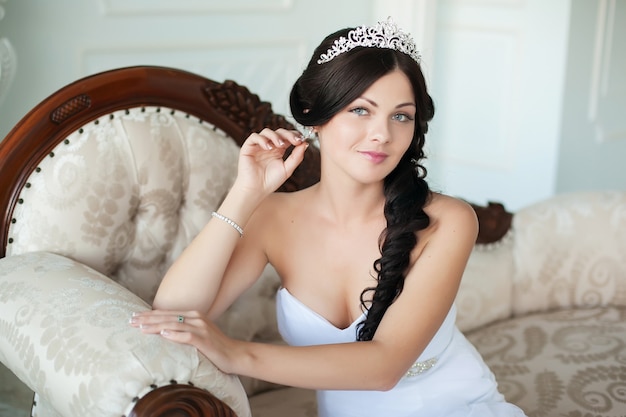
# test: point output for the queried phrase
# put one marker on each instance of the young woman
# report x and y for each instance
(370, 259)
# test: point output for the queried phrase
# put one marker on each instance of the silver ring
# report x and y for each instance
(181, 319)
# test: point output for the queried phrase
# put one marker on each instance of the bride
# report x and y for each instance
(369, 258)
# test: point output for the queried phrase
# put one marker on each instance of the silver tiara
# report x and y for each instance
(382, 35)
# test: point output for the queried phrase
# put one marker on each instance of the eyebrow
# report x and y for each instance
(373, 103)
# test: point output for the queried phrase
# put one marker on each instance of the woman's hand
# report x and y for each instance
(261, 166)
(191, 328)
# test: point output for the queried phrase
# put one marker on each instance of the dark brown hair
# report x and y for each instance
(320, 93)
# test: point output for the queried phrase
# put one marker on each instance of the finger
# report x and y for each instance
(258, 140)
(292, 136)
(295, 158)
(279, 138)
(147, 319)
(152, 327)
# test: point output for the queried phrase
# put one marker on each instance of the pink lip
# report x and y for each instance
(375, 157)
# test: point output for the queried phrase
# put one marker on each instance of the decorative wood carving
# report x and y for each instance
(494, 222)
(70, 108)
(252, 115)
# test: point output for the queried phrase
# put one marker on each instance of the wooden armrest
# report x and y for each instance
(180, 400)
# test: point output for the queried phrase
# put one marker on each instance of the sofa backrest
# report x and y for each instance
(570, 251)
(121, 169)
(126, 193)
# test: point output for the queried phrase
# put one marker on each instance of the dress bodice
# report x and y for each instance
(448, 379)
(301, 326)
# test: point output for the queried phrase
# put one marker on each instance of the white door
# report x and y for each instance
(497, 79)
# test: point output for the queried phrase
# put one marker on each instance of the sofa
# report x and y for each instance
(105, 182)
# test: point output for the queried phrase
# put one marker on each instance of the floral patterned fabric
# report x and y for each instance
(570, 251)
(126, 193)
(566, 363)
(66, 335)
(123, 195)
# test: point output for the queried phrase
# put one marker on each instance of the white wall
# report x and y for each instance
(262, 44)
(512, 79)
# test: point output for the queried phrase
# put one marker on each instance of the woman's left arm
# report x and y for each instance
(404, 332)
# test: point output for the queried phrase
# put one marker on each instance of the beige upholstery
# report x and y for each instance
(137, 186)
(69, 340)
(124, 195)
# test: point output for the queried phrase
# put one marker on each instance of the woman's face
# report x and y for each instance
(367, 139)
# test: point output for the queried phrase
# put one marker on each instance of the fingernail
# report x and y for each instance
(132, 320)
(281, 143)
(165, 333)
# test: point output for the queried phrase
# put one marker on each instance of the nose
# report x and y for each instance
(381, 131)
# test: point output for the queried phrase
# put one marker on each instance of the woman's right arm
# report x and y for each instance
(218, 261)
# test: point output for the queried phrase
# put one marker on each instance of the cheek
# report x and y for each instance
(341, 135)
(403, 135)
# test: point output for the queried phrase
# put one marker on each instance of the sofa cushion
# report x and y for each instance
(561, 362)
(126, 193)
(486, 291)
(569, 252)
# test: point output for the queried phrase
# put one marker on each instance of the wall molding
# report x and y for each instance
(8, 60)
(600, 88)
(190, 7)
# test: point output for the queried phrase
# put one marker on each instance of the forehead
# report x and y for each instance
(394, 86)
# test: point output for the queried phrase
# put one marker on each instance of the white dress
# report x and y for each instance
(449, 379)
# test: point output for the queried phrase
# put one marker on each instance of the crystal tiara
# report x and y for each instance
(382, 35)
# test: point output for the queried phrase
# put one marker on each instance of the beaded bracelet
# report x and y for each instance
(229, 221)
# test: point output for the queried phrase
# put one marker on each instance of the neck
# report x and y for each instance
(348, 204)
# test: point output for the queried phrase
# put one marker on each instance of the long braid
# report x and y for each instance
(406, 193)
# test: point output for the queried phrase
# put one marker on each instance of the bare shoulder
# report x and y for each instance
(277, 208)
(451, 215)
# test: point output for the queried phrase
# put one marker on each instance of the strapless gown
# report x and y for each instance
(449, 379)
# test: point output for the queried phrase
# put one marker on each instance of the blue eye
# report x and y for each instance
(359, 111)
(402, 117)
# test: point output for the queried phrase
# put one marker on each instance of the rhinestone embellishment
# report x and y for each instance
(421, 367)
(382, 35)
